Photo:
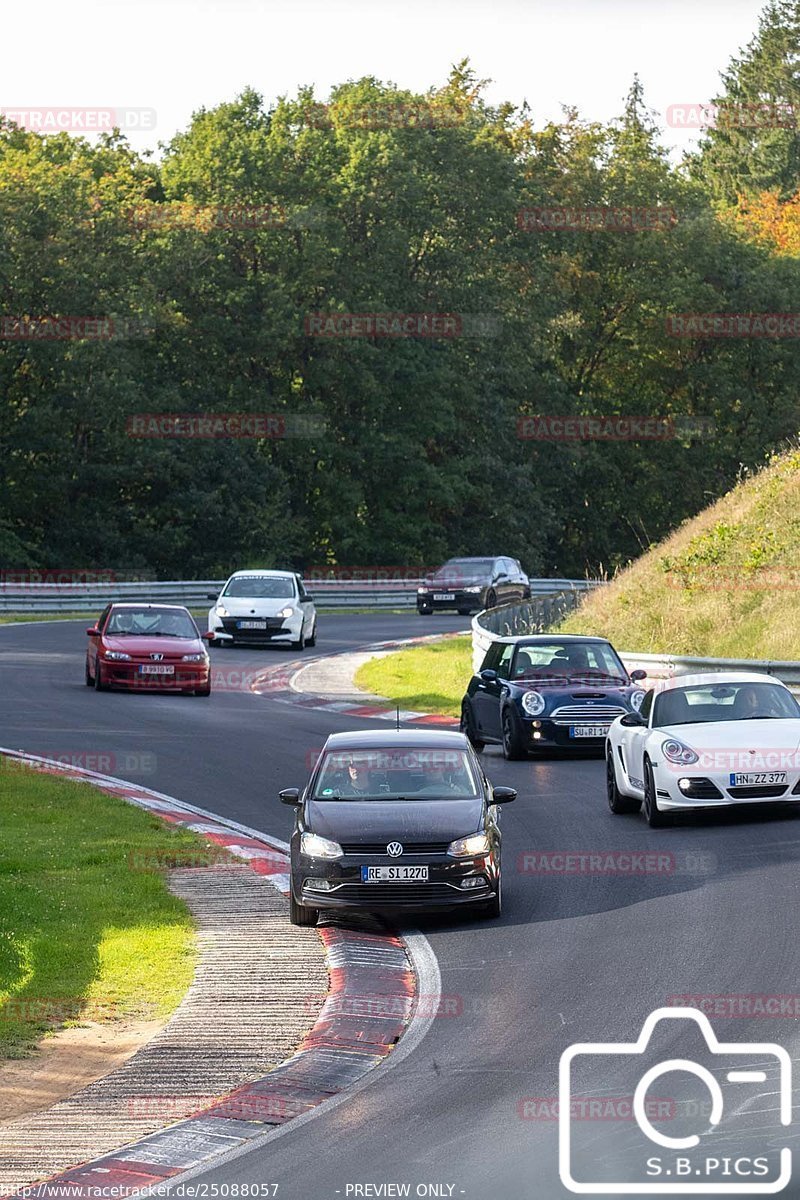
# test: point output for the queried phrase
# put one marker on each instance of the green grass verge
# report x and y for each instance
(88, 929)
(429, 678)
(726, 584)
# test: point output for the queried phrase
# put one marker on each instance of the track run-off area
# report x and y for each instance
(604, 920)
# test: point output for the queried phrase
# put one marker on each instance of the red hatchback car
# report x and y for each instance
(147, 646)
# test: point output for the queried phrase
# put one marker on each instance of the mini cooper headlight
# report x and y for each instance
(468, 847)
(319, 847)
(636, 700)
(286, 612)
(678, 753)
(193, 658)
(117, 655)
(533, 703)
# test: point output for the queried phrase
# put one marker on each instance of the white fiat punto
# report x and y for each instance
(260, 607)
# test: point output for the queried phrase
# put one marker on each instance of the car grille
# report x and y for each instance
(587, 714)
(364, 848)
(757, 791)
(702, 789)
(378, 894)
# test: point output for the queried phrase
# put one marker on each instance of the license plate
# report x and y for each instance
(755, 777)
(444, 595)
(588, 730)
(251, 624)
(149, 669)
(394, 874)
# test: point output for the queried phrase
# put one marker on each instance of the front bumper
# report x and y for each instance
(441, 891)
(672, 797)
(558, 737)
(226, 629)
(460, 599)
(186, 677)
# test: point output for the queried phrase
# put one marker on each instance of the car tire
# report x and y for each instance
(203, 691)
(656, 819)
(312, 641)
(299, 914)
(464, 612)
(494, 908)
(99, 686)
(467, 727)
(491, 599)
(89, 680)
(424, 612)
(300, 644)
(618, 803)
(513, 747)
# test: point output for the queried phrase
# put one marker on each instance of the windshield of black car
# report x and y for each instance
(396, 773)
(260, 587)
(703, 703)
(460, 570)
(572, 662)
(151, 622)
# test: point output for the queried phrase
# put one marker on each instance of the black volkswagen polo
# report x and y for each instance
(548, 691)
(392, 820)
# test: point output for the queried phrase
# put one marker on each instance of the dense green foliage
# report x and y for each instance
(415, 452)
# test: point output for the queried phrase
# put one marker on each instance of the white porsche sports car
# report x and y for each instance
(256, 607)
(703, 741)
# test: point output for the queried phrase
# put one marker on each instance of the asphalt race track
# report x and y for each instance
(580, 954)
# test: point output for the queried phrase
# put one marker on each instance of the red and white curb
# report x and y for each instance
(370, 1006)
(276, 682)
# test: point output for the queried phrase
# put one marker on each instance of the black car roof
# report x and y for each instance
(388, 738)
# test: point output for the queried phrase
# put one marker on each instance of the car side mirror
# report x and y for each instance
(212, 595)
(93, 632)
(632, 719)
(638, 674)
(307, 596)
(489, 675)
(208, 636)
(290, 796)
(503, 795)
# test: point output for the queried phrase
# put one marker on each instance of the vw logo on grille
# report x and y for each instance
(156, 657)
(395, 849)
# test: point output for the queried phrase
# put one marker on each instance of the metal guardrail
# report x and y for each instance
(535, 616)
(328, 593)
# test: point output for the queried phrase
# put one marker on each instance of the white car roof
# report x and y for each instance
(263, 574)
(703, 678)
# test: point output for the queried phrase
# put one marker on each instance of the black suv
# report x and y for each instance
(472, 584)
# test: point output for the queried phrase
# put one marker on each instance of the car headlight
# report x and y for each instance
(422, 590)
(678, 753)
(222, 611)
(533, 703)
(286, 612)
(319, 847)
(116, 655)
(636, 700)
(473, 589)
(468, 847)
(193, 658)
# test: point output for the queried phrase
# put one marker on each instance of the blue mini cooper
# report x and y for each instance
(545, 692)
